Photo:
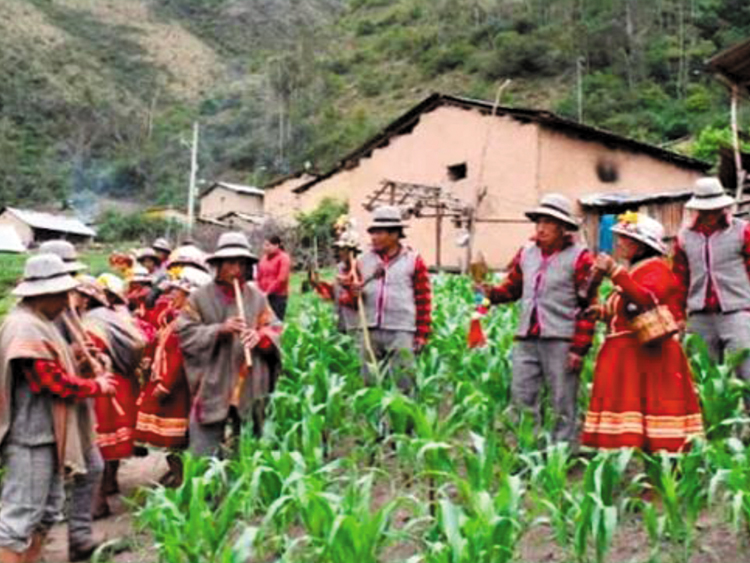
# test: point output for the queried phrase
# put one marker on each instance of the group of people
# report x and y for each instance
(94, 370)
(187, 349)
(643, 393)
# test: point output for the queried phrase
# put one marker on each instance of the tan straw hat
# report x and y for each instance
(44, 274)
(64, 250)
(556, 206)
(232, 245)
(708, 195)
(190, 279)
(89, 287)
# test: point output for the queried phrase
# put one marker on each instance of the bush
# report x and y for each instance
(444, 59)
(710, 140)
(114, 226)
(520, 55)
(316, 226)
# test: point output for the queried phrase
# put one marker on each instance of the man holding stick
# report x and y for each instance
(391, 288)
(230, 343)
(43, 430)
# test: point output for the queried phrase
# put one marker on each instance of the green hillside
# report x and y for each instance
(99, 97)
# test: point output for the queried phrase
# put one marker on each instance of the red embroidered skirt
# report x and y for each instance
(164, 424)
(114, 428)
(642, 397)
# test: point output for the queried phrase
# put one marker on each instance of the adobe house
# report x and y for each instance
(34, 227)
(220, 198)
(497, 162)
(280, 201)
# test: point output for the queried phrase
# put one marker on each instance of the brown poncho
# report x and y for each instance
(214, 364)
(27, 335)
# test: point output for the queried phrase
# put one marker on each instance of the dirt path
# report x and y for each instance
(134, 473)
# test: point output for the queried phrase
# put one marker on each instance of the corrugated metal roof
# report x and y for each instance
(10, 241)
(49, 222)
(248, 190)
(613, 200)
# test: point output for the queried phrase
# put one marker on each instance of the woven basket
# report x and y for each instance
(654, 325)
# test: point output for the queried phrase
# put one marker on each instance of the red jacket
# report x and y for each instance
(273, 273)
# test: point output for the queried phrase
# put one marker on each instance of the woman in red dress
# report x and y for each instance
(643, 394)
(164, 411)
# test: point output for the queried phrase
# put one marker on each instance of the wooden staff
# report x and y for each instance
(96, 366)
(361, 307)
(241, 309)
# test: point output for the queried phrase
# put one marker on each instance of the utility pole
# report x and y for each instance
(579, 87)
(193, 174)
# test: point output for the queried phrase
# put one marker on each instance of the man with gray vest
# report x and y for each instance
(712, 263)
(550, 276)
(394, 284)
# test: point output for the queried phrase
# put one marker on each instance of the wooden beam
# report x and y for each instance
(737, 152)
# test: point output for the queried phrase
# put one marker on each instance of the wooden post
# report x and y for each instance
(737, 151)
(393, 193)
(438, 234)
(193, 176)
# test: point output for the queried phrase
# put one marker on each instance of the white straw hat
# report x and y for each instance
(232, 245)
(44, 274)
(642, 228)
(556, 206)
(162, 244)
(141, 275)
(66, 251)
(188, 255)
(387, 217)
(708, 195)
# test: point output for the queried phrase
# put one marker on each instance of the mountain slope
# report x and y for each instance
(99, 96)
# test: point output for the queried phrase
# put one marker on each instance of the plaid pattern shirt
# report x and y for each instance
(512, 288)
(49, 375)
(422, 297)
(681, 266)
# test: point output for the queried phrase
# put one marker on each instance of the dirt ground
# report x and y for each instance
(117, 528)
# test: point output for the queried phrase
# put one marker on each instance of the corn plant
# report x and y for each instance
(548, 477)
(720, 390)
(682, 486)
(601, 503)
(731, 482)
(484, 528)
(196, 521)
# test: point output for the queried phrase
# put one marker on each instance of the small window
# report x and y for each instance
(457, 172)
(607, 171)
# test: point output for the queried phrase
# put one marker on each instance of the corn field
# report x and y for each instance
(346, 473)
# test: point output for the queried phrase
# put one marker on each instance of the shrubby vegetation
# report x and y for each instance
(305, 81)
(114, 226)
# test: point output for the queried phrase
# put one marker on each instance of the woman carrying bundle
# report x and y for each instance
(643, 394)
